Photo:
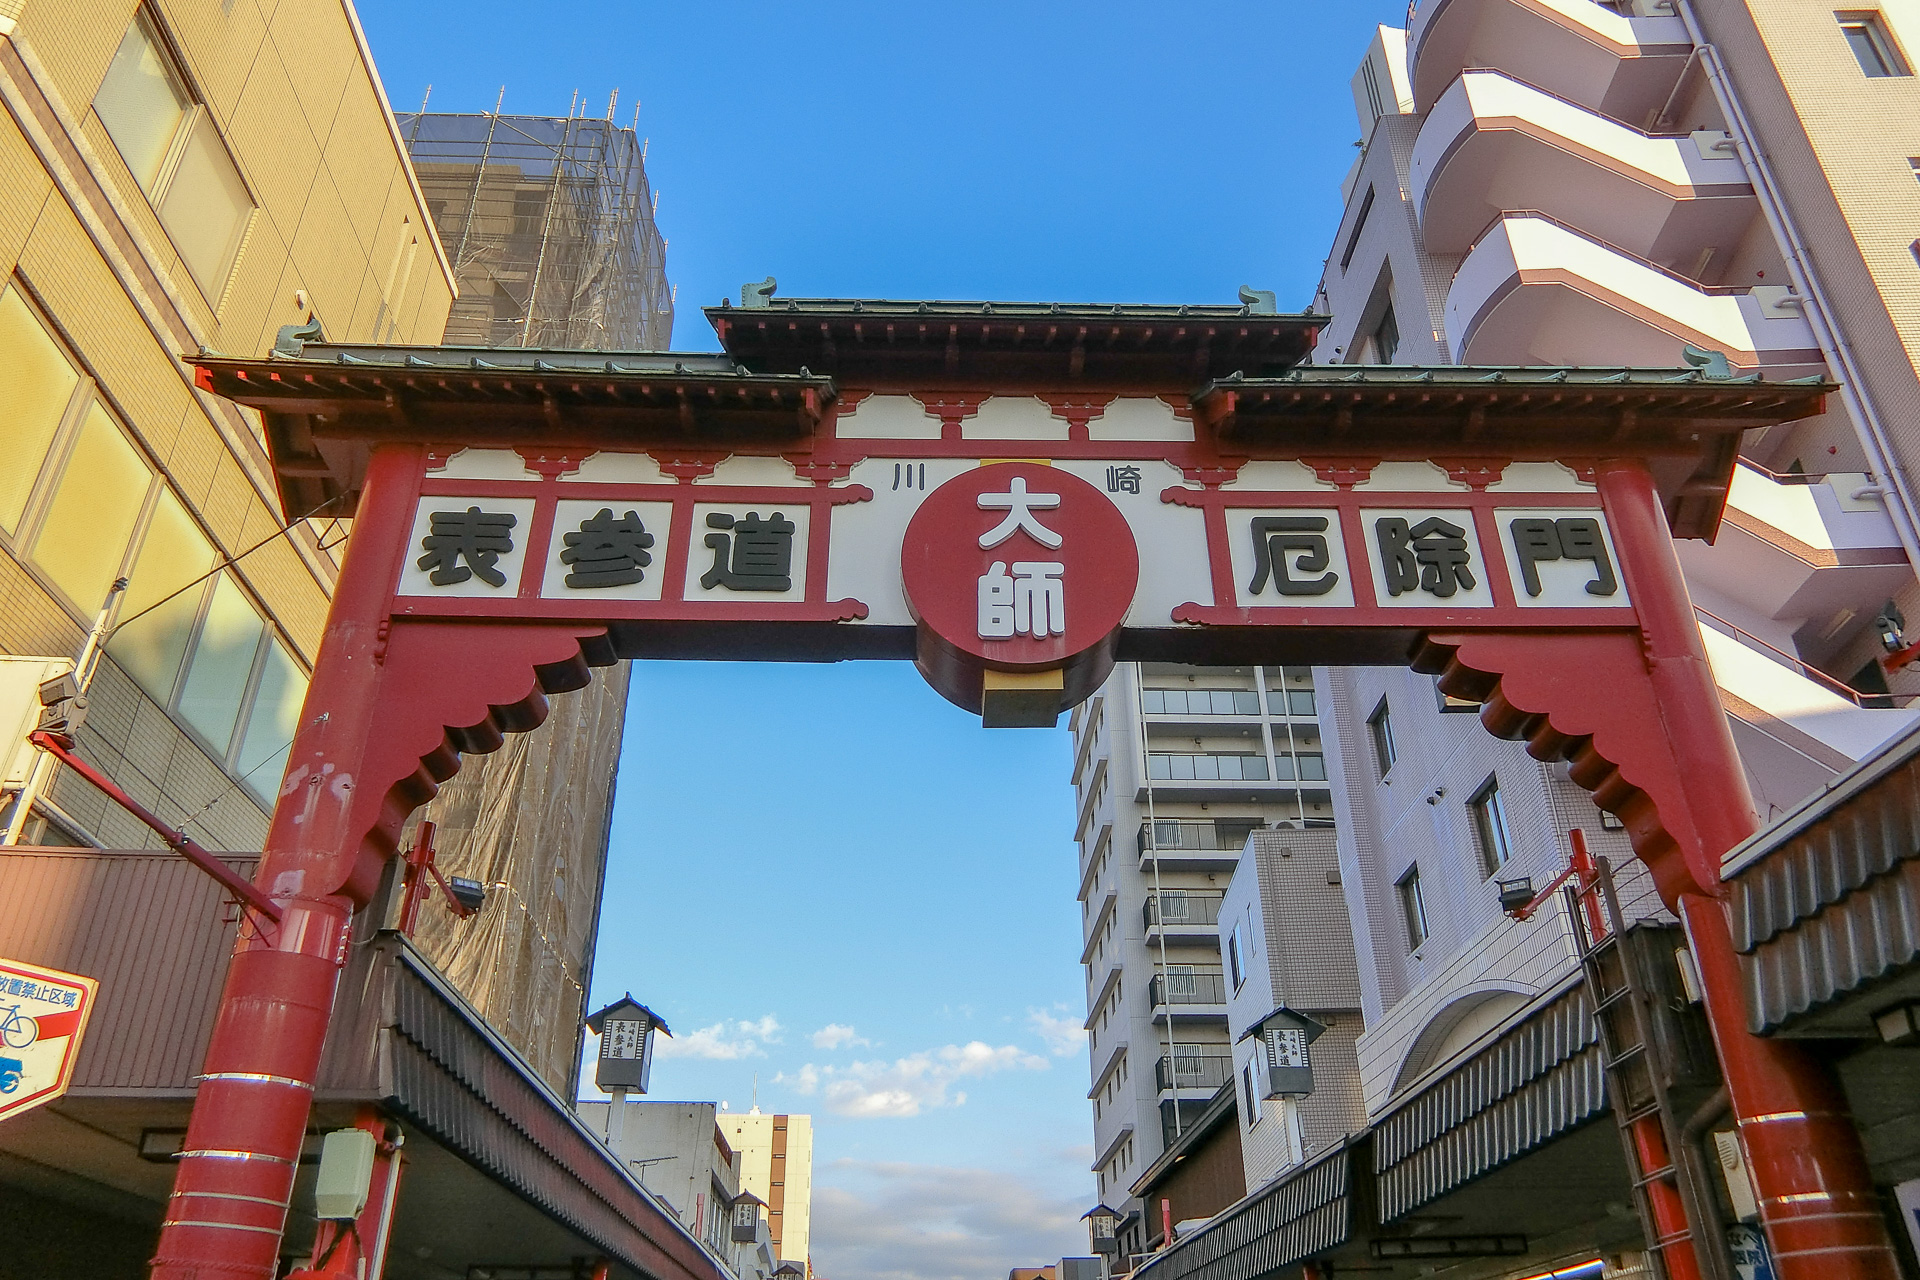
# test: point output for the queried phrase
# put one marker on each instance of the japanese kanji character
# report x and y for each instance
(478, 537)
(1304, 538)
(1123, 480)
(1431, 556)
(1568, 538)
(1019, 506)
(757, 555)
(1032, 600)
(608, 552)
(70, 998)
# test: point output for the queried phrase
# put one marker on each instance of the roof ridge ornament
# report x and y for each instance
(1711, 364)
(292, 338)
(758, 295)
(1259, 302)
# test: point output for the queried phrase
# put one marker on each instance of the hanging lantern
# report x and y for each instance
(1102, 1222)
(1285, 1036)
(626, 1029)
(746, 1217)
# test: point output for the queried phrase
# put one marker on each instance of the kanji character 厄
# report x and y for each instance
(1431, 556)
(1304, 538)
(1019, 506)
(1568, 538)
(606, 552)
(477, 537)
(757, 555)
(1031, 601)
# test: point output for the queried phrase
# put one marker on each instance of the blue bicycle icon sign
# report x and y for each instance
(11, 1070)
(17, 1030)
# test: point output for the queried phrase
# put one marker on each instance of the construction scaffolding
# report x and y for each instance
(549, 225)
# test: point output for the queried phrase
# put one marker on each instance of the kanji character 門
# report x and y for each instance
(1123, 480)
(477, 537)
(1431, 556)
(754, 555)
(1304, 538)
(1568, 538)
(606, 552)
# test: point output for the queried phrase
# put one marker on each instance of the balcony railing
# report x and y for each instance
(1310, 768)
(1167, 835)
(1200, 702)
(1182, 907)
(1200, 986)
(1206, 768)
(1195, 1070)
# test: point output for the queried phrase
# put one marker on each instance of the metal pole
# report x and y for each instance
(83, 668)
(1153, 843)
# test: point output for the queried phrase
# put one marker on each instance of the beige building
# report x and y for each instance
(173, 176)
(776, 1164)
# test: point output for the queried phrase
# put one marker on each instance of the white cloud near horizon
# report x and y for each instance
(723, 1041)
(1064, 1035)
(836, 1035)
(903, 1087)
(895, 1221)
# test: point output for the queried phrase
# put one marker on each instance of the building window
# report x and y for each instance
(1380, 730)
(81, 504)
(1490, 826)
(1359, 225)
(1447, 702)
(174, 152)
(1252, 1094)
(1386, 337)
(1872, 44)
(1413, 907)
(1235, 969)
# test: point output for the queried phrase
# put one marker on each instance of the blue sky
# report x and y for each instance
(798, 849)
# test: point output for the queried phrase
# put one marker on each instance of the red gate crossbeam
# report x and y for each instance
(177, 840)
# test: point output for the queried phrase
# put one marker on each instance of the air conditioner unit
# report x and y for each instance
(20, 680)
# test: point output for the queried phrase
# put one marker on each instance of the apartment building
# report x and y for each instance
(776, 1164)
(1174, 767)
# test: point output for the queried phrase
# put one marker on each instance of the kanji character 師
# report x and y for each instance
(1032, 600)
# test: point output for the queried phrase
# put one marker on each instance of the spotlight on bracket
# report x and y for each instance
(470, 894)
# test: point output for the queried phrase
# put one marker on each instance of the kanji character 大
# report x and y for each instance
(1019, 506)
(477, 537)
(606, 552)
(1431, 556)
(755, 555)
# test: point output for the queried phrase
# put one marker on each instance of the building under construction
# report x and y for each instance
(549, 225)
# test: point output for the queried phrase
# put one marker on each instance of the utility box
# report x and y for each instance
(626, 1029)
(346, 1172)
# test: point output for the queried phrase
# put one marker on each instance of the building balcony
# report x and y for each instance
(1624, 67)
(1200, 1071)
(1801, 547)
(1183, 917)
(1193, 845)
(1233, 776)
(1493, 143)
(1189, 995)
(1534, 291)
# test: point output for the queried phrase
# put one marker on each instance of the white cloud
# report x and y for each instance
(897, 1221)
(836, 1035)
(1064, 1035)
(868, 1090)
(723, 1041)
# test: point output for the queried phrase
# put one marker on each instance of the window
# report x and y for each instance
(1380, 729)
(174, 152)
(1359, 225)
(1872, 44)
(1234, 966)
(1252, 1093)
(1413, 907)
(81, 504)
(1490, 826)
(1447, 702)
(1386, 337)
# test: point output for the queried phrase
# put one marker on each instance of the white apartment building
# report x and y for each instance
(1174, 767)
(1576, 183)
(776, 1164)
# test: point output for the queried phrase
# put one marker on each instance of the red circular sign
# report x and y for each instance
(1020, 566)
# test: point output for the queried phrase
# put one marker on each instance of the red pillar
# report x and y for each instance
(230, 1193)
(1817, 1200)
(1673, 1234)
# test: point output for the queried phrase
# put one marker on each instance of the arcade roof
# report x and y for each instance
(883, 342)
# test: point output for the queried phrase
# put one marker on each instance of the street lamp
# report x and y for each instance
(1286, 1035)
(626, 1029)
(1101, 1224)
(746, 1217)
